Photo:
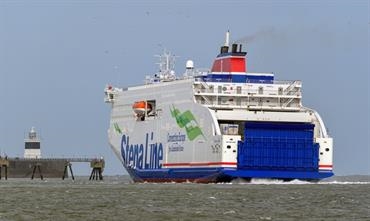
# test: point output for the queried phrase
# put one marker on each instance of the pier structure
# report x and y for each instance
(41, 167)
(34, 165)
(96, 164)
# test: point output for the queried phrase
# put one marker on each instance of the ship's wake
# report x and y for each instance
(258, 181)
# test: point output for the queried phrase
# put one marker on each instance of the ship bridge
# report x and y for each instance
(275, 96)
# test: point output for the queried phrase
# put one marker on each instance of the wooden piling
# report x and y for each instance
(97, 169)
(4, 163)
(65, 174)
(37, 166)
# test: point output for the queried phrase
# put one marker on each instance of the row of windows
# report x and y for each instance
(32, 145)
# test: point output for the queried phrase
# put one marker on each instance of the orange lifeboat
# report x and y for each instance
(141, 107)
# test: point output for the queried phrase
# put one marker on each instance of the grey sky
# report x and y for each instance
(57, 56)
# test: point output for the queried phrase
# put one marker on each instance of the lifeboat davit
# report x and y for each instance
(141, 107)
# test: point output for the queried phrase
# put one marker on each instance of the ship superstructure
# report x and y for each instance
(217, 125)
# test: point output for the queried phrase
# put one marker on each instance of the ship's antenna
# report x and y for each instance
(166, 66)
(227, 38)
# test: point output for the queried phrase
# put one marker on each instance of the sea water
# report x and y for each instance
(118, 198)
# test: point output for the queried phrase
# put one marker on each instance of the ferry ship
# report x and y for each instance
(217, 125)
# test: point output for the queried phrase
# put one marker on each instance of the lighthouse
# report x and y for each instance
(32, 145)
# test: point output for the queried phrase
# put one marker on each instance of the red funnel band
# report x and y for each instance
(230, 64)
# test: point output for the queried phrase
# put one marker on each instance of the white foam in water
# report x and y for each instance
(344, 182)
(278, 182)
(265, 181)
(261, 181)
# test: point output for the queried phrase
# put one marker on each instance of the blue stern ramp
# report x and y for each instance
(279, 151)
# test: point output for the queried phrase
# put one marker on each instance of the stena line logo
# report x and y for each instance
(142, 156)
(117, 128)
(187, 120)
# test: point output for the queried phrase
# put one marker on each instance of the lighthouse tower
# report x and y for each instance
(32, 145)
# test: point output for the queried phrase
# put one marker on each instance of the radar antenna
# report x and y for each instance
(166, 66)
